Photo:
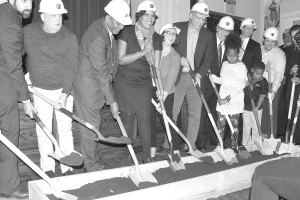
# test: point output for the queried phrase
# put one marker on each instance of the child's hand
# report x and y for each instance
(222, 101)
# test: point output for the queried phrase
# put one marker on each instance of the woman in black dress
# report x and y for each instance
(133, 84)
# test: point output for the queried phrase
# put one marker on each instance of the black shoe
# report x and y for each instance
(68, 173)
(164, 151)
(50, 173)
(201, 148)
(20, 193)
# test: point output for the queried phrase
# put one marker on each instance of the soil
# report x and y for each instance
(109, 187)
(74, 159)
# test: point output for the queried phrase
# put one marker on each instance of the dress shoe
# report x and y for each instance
(68, 173)
(20, 193)
(50, 173)
(203, 149)
(164, 151)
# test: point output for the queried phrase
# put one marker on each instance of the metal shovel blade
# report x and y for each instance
(230, 156)
(175, 161)
(65, 196)
(142, 180)
(245, 153)
(73, 159)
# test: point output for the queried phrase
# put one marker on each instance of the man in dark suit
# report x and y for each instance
(13, 88)
(196, 47)
(250, 54)
(206, 132)
(98, 61)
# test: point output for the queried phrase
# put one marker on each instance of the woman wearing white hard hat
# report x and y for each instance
(169, 68)
(133, 84)
(275, 60)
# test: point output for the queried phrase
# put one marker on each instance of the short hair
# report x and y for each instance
(139, 14)
(233, 41)
(175, 43)
(259, 65)
(294, 28)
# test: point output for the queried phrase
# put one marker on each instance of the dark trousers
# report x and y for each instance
(280, 177)
(144, 130)
(206, 132)
(90, 149)
(153, 119)
(283, 109)
(10, 128)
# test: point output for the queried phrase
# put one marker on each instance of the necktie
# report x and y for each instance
(220, 54)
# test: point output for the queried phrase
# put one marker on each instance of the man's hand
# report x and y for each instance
(162, 96)
(185, 63)
(114, 109)
(29, 109)
(198, 80)
(62, 101)
(222, 101)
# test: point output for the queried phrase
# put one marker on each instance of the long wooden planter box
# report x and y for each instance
(194, 188)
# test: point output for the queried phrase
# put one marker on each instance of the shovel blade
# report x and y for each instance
(245, 153)
(143, 180)
(229, 156)
(64, 195)
(175, 162)
(262, 149)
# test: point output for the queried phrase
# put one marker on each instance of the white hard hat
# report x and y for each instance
(55, 7)
(226, 23)
(249, 22)
(168, 26)
(147, 5)
(201, 8)
(119, 10)
(271, 33)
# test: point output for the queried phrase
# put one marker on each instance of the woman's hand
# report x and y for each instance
(296, 80)
(222, 101)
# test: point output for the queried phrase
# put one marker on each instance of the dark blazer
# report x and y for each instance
(13, 86)
(204, 49)
(252, 54)
(97, 66)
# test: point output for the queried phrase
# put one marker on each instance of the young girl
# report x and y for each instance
(233, 78)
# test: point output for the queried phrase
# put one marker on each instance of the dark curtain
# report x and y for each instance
(81, 13)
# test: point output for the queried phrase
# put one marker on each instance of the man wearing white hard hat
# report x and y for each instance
(52, 53)
(98, 62)
(206, 133)
(13, 88)
(196, 48)
(275, 60)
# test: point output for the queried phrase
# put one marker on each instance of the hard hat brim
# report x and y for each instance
(60, 12)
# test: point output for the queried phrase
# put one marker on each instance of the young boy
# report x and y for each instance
(259, 90)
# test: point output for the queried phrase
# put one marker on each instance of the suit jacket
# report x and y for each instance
(97, 66)
(252, 54)
(204, 51)
(13, 86)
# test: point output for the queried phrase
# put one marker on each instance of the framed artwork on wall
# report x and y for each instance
(272, 13)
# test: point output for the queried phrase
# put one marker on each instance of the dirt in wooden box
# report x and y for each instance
(109, 187)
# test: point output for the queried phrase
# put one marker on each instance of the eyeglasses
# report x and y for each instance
(169, 33)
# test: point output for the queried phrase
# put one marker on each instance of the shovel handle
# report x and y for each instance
(47, 132)
(207, 108)
(287, 132)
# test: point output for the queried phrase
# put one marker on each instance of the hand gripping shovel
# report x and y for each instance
(136, 175)
(173, 159)
(289, 148)
(262, 146)
(287, 133)
(197, 154)
(56, 192)
(74, 159)
(226, 154)
(114, 140)
(272, 141)
(241, 151)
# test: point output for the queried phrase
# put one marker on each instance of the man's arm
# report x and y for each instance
(12, 46)
(97, 51)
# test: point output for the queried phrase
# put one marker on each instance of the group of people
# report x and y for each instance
(101, 71)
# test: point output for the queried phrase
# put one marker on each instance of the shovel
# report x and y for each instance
(197, 154)
(272, 141)
(241, 151)
(262, 146)
(74, 159)
(288, 148)
(226, 154)
(173, 159)
(56, 192)
(114, 140)
(287, 133)
(135, 175)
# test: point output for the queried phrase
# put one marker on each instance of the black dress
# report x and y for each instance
(133, 84)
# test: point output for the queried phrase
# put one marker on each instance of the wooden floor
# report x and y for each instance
(112, 156)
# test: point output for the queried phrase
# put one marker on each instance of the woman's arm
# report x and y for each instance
(129, 58)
